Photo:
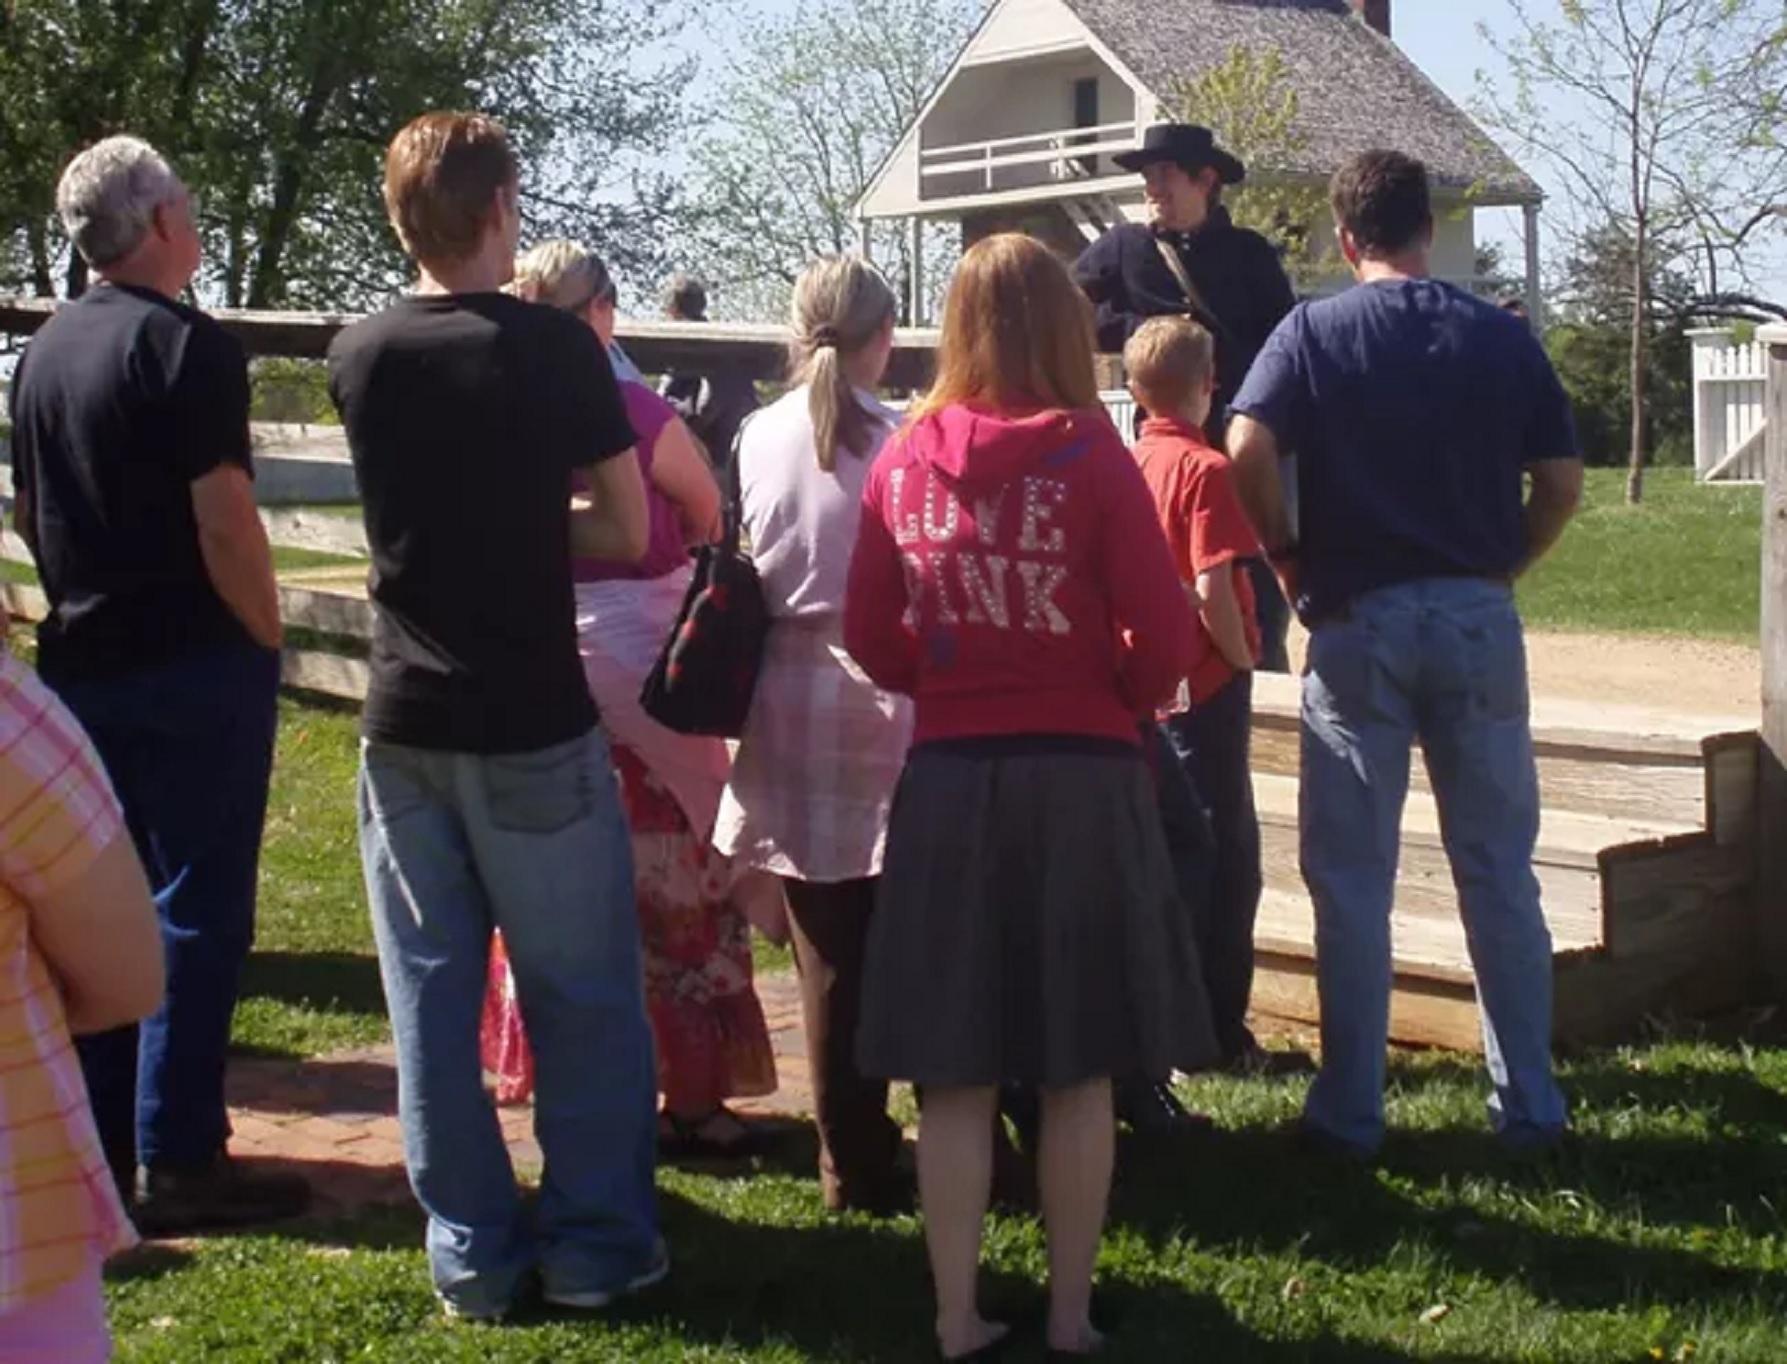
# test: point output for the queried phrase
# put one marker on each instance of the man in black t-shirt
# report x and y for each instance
(131, 459)
(487, 796)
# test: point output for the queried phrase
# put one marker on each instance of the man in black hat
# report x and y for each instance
(1191, 260)
(1228, 279)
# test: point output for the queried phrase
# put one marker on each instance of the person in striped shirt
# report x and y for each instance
(80, 952)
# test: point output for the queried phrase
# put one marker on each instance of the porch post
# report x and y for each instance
(864, 242)
(915, 307)
(1771, 880)
(1535, 302)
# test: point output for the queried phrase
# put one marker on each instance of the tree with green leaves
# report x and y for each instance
(1660, 117)
(1248, 101)
(807, 107)
(1589, 339)
(277, 113)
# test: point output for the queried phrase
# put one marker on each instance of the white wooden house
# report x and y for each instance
(1020, 132)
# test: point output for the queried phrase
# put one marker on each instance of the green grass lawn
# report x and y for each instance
(1658, 1236)
(312, 984)
(285, 558)
(1685, 561)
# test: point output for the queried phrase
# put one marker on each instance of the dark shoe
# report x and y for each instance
(682, 1138)
(1153, 1110)
(655, 1272)
(1321, 1144)
(170, 1202)
(894, 1196)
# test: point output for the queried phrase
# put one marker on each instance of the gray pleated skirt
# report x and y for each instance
(1027, 927)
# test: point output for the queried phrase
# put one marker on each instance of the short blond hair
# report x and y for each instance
(1171, 359)
(442, 172)
(563, 274)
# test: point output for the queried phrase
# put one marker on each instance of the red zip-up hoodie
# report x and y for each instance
(1011, 576)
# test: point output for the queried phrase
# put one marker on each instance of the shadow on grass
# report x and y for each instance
(856, 1290)
(145, 1263)
(1258, 1190)
(344, 983)
(852, 1289)
(1718, 1157)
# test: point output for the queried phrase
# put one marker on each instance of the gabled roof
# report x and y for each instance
(1356, 89)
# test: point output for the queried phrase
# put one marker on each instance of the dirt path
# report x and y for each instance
(1682, 674)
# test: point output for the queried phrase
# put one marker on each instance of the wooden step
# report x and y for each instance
(1629, 763)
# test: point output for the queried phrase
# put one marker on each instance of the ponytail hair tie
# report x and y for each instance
(824, 337)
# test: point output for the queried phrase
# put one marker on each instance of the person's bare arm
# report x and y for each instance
(1255, 451)
(234, 545)
(1219, 607)
(1552, 500)
(102, 940)
(611, 521)
(681, 472)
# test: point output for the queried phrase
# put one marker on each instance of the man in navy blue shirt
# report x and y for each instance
(1421, 417)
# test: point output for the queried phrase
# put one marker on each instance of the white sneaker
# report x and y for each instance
(594, 1299)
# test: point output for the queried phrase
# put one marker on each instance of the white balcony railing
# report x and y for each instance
(1066, 152)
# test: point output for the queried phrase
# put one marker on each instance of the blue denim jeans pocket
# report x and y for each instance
(543, 791)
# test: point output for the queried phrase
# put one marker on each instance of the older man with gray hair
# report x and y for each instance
(134, 490)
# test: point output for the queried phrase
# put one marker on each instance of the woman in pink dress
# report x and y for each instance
(712, 1041)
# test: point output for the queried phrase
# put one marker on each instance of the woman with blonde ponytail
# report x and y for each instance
(822, 749)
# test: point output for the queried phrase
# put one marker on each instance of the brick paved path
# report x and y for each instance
(334, 1119)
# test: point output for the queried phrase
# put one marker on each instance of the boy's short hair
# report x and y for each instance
(1170, 359)
(441, 173)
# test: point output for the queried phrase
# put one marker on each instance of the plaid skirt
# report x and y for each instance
(813, 778)
(1028, 929)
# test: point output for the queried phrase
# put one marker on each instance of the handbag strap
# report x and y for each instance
(733, 509)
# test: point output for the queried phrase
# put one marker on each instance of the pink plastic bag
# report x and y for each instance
(502, 1041)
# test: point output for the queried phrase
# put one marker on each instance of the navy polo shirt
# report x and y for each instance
(1413, 410)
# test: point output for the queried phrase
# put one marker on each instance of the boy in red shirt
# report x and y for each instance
(1171, 367)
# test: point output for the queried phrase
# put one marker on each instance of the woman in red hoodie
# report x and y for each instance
(1011, 576)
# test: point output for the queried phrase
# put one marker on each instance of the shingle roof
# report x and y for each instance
(1356, 89)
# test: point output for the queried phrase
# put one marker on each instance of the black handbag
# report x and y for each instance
(705, 676)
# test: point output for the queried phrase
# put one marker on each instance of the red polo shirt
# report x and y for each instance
(1193, 485)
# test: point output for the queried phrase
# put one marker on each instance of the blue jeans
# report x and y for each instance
(189, 749)
(1211, 744)
(1441, 660)
(455, 845)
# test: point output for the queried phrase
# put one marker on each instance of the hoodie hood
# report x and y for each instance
(981, 448)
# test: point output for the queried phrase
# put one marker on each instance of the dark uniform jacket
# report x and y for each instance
(1237, 272)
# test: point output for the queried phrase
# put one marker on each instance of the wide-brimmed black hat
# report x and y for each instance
(1184, 144)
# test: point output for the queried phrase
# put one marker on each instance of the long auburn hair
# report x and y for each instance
(1017, 333)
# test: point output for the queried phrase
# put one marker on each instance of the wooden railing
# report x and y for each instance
(656, 347)
(1061, 149)
(1771, 917)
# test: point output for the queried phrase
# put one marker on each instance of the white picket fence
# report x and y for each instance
(1730, 406)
